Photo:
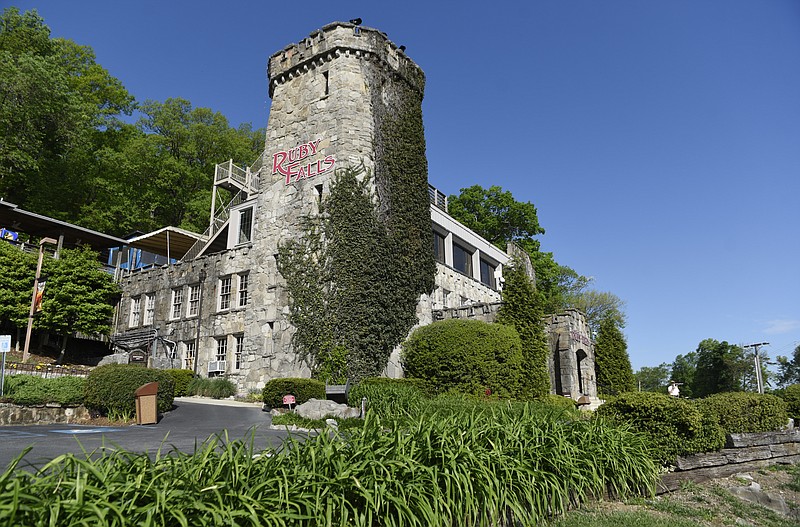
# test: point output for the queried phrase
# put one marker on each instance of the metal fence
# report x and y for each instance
(48, 371)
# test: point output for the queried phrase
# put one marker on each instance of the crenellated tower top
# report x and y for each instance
(343, 38)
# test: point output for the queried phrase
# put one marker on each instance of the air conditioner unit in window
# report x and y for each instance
(216, 366)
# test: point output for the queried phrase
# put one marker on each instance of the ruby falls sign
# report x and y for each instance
(298, 163)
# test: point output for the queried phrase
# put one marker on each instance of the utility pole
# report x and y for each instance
(757, 361)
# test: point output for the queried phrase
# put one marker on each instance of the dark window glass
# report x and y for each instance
(462, 259)
(245, 225)
(487, 274)
(438, 247)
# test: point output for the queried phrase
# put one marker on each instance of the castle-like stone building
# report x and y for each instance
(221, 307)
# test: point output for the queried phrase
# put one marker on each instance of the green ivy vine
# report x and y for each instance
(355, 276)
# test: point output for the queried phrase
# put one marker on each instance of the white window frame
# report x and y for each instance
(149, 309)
(189, 354)
(136, 312)
(238, 352)
(176, 304)
(222, 349)
(225, 289)
(242, 294)
(193, 307)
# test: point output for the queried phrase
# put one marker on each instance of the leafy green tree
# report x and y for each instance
(54, 100)
(17, 272)
(683, 371)
(79, 296)
(521, 310)
(789, 368)
(598, 306)
(653, 379)
(720, 368)
(497, 216)
(612, 364)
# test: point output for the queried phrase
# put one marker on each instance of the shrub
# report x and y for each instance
(32, 390)
(388, 396)
(111, 388)
(181, 378)
(741, 412)
(468, 356)
(791, 396)
(217, 388)
(302, 389)
(558, 402)
(674, 427)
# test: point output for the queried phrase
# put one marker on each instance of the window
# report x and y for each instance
(239, 351)
(445, 298)
(194, 300)
(224, 293)
(177, 302)
(222, 349)
(327, 83)
(462, 259)
(438, 247)
(136, 311)
(189, 353)
(487, 274)
(149, 308)
(245, 225)
(244, 279)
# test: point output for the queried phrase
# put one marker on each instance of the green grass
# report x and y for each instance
(476, 465)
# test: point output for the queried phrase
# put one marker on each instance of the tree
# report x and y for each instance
(17, 272)
(521, 310)
(79, 297)
(653, 379)
(612, 364)
(720, 368)
(683, 371)
(789, 369)
(598, 306)
(54, 101)
(497, 216)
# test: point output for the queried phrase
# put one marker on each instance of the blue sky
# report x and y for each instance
(660, 141)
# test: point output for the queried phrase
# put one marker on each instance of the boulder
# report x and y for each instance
(321, 408)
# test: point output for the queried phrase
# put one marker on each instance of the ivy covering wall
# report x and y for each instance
(355, 277)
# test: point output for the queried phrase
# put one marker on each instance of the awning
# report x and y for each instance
(172, 242)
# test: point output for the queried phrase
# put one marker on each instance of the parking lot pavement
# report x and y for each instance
(187, 425)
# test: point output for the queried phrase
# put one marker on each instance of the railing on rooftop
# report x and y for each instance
(437, 198)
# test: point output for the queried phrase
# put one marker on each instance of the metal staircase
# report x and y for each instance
(242, 183)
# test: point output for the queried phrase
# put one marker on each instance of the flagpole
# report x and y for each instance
(33, 297)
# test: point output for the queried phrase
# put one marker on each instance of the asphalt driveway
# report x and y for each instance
(191, 421)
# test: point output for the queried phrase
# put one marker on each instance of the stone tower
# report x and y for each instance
(331, 95)
(571, 360)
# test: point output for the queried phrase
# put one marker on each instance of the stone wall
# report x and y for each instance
(12, 414)
(571, 360)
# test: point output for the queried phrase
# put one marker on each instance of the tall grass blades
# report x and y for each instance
(476, 465)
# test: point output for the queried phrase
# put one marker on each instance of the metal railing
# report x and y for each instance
(437, 198)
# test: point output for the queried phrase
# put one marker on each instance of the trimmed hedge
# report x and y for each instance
(791, 396)
(302, 389)
(111, 387)
(387, 397)
(674, 427)
(467, 356)
(181, 378)
(742, 412)
(216, 388)
(32, 390)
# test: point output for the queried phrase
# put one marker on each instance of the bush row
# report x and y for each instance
(302, 389)
(677, 427)
(33, 390)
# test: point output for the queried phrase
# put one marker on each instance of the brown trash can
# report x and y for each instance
(147, 404)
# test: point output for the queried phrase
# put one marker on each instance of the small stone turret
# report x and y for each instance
(571, 360)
